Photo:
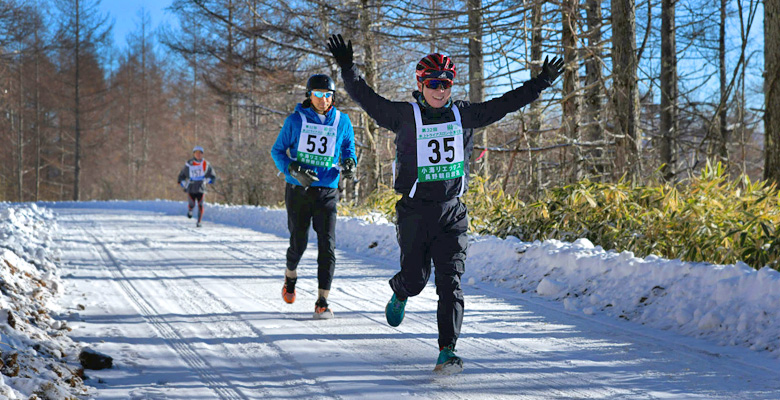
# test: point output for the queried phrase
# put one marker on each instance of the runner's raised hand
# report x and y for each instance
(341, 52)
(551, 70)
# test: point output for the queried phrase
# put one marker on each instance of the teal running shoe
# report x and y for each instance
(448, 363)
(395, 311)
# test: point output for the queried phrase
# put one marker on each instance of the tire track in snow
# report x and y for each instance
(486, 345)
(213, 380)
(475, 344)
(240, 327)
(318, 330)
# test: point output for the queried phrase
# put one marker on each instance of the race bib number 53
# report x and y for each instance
(317, 146)
(317, 143)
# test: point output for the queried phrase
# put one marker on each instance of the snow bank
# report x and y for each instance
(728, 304)
(36, 356)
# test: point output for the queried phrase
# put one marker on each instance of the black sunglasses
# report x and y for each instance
(437, 83)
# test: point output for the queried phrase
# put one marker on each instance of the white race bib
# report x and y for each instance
(197, 172)
(439, 149)
(317, 143)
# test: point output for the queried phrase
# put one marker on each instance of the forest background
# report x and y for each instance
(652, 90)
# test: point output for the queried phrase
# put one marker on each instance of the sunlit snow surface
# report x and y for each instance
(197, 313)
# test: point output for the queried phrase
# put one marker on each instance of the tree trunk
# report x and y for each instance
(76, 106)
(571, 107)
(61, 166)
(230, 96)
(535, 112)
(593, 130)
(253, 93)
(723, 136)
(668, 88)
(195, 91)
(20, 136)
(370, 75)
(230, 78)
(477, 68)
(742, 122)
(432, 4)
(38, 138)
(626, 96)
(196, 127)
(132, 165)
(772, 90)
(144, 99)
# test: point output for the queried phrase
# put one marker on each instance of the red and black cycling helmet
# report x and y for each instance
(435, 66)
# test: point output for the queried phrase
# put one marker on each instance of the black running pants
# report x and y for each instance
(433, 231)
(317, 206)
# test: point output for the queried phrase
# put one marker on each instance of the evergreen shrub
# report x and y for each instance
(705, 218)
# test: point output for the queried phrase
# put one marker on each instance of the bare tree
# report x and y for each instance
(15, 39)
(18, 113)
(626, 93)
(706, 119)
(39, 47)
(594, 85)
(535, 114)
(746, 119)
(571, 97)
(237, 63)
(668, 88)
(82, 28)
(723, 134)
(772, 90)
(145, 49)
(477, 67)
(370, 72)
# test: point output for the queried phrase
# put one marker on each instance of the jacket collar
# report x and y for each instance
(427, 107)
(312, 115)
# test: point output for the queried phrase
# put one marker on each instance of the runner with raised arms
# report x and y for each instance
(433, 147)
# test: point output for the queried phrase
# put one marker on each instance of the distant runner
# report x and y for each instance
(193, 178)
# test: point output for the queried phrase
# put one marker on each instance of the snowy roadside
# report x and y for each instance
(37, 358)
(732, 305)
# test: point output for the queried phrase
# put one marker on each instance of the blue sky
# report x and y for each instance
(124, 13)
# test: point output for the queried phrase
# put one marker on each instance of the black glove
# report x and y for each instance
(304, 175)
(552, 70)
(341, 52)
(349, 168)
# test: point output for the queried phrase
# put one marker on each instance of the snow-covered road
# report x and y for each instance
(197, 314)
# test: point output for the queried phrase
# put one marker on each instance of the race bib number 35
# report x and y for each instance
(439, 152)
